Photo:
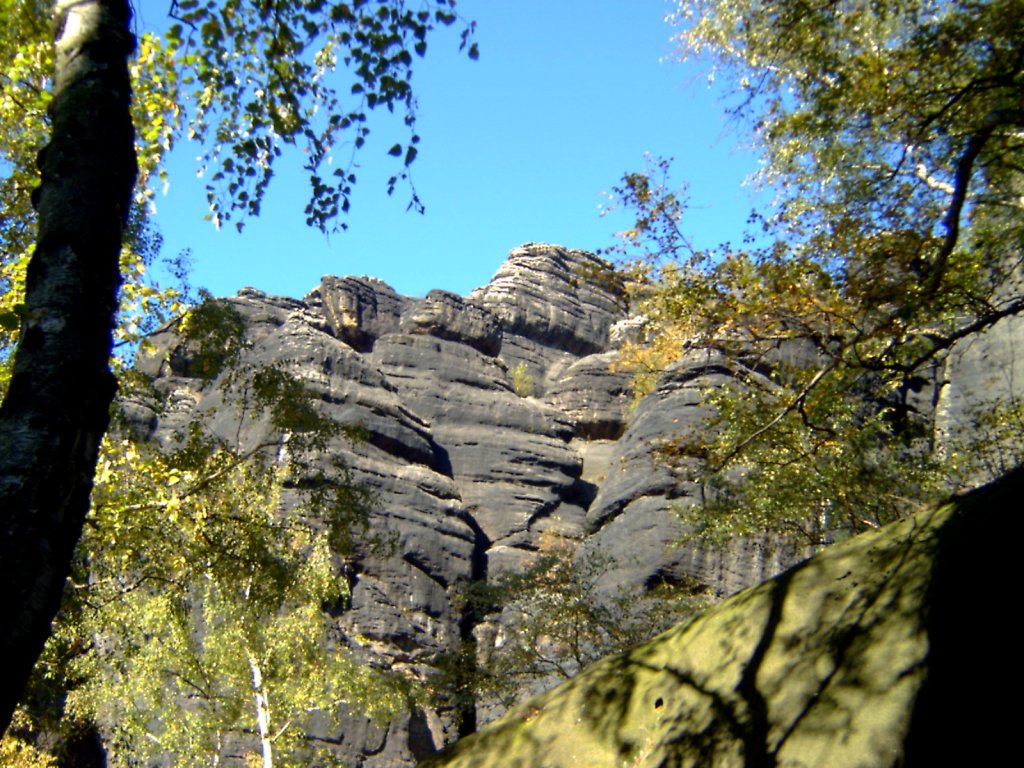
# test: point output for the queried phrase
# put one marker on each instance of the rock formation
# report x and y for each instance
(881, 651)
(492, 422)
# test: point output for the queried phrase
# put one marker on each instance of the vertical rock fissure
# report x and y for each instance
(470, 618)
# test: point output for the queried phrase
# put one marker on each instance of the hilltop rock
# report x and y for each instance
(554, 304)
(557, 297)
(359, 310)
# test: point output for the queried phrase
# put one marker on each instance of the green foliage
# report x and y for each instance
(26, 66)
(888, 119)
(522, 380)
(196, 613)
(891, 131)
(262, 77)
(18, 748)
(988, 445)
(555, 620)
(249, 78)
(213, 334)
(200, 597)
(829, 469)
(198, 610)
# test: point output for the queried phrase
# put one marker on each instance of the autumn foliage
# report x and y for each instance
(891, 133)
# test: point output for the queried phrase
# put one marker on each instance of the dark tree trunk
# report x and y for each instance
(57, 406)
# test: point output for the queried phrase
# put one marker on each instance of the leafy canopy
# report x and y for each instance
(244, 78)
(892, 131)
(26, 67)
(264, 76)
(248, 78)
(544, 624)
(893, 134)
(202, 613)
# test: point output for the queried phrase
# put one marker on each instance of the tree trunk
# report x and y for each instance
(262, 712)
(57, 406)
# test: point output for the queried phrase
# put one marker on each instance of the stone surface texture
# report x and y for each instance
(470, 470)
(864, 656)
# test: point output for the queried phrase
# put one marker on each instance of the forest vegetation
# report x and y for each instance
(891, 130)
(64, 306)
(892, 135)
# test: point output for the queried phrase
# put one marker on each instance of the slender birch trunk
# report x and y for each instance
(262, 711)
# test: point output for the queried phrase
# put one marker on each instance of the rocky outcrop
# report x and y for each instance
(470, 469)
(359, 310)
(881, 651)
(555, 306)
(491, 424)
(446, 316)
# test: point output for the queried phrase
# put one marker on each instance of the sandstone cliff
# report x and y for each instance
(491, 422)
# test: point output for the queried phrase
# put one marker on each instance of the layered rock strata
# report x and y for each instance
(492, 423)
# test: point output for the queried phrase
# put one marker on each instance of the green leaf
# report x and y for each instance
(9, 321)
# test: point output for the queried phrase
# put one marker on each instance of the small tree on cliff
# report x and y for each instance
(894, 134)
(543, 625)
(258, 73)
(197, 615)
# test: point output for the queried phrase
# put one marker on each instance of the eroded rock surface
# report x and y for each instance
(492, 423)
(864, 656)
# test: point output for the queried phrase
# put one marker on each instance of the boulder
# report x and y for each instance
(889, 649)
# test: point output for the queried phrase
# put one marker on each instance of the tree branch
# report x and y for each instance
(961, 186)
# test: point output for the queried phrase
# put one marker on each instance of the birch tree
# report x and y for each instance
(893, 133)
(258, 74)
(200, 609)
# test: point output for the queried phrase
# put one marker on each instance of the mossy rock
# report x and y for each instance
(891, 649)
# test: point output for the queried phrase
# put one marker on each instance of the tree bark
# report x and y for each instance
(57, 406)
(262, 700)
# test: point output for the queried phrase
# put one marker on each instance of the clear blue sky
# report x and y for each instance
(519, 146)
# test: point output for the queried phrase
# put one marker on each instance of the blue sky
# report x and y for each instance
(519, 146)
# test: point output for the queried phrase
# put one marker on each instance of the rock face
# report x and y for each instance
(864, 656)
(492, 423)
(984, 372)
